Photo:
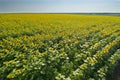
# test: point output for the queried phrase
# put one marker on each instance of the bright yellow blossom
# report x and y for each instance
(112, 61)
(18, 72)
(5, 63)
(83, 66)
(10, 76)
(12, 62)
(1, 55)
(22, 55)
(24, 61)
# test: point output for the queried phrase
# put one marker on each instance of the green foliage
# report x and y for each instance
(58, 46)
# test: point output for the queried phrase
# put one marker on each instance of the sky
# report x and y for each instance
(59, 6)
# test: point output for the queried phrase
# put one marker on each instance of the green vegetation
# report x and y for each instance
(58, 46)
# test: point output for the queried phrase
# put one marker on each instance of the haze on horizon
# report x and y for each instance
(59, 6)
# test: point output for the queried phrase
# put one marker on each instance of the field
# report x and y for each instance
(58, 46)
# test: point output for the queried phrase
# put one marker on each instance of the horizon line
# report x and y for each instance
(58, 12)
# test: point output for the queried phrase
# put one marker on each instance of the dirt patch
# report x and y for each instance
(116, 73)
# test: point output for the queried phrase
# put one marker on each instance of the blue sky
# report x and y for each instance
(56, 6)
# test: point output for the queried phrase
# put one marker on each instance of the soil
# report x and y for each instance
(116, 73)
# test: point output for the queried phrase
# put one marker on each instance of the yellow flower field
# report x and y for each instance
(58, 46)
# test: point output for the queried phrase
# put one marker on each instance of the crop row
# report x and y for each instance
(48, 47)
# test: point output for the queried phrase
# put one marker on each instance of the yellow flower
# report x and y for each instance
(24, 66)
(22, 55)
(82, 55)
(98, 55)
(96, 45)
(24, 47)
(55, 51)
(63, 54)
(6, 51)
(113, 43)
(1, 55)
(112, 61)
(50, 49)
(62, 50)
(32, 44)
(33, 55)
(88, 53)
(5, 63)
(24, 61)
(10, 76)
(12, 62)
(80, 74)
(83, 66)
(91, 60)
(1, 69)
(18, 72)
(42, 54)
(106, 50)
